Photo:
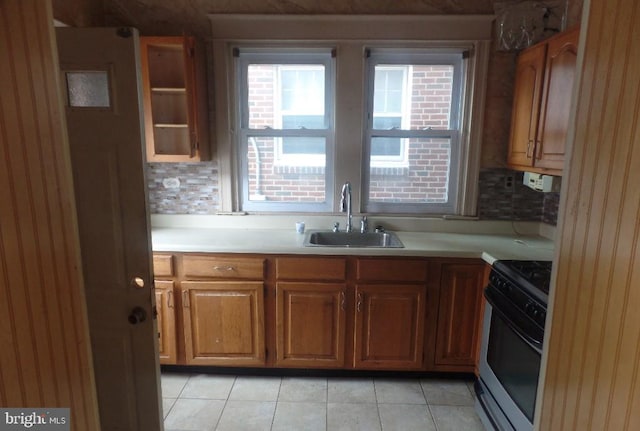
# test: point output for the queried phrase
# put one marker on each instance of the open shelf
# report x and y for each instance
(175, 96)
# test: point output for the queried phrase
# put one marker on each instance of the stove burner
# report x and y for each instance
(529, 272)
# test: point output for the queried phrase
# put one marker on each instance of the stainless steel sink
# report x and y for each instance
(352, 239)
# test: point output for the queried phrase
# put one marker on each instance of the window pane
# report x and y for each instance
(278, 91)
(303, 145)
(88, 89)
(386, 147)
(275, 175)
(424, 179)
(420, 95)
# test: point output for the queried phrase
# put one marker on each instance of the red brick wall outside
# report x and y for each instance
(423, 179)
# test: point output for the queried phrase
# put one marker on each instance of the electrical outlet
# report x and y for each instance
(508, 182)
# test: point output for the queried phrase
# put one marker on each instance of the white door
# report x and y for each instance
(100, 76)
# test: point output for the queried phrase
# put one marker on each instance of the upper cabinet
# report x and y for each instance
(175, 99)
(542, 104)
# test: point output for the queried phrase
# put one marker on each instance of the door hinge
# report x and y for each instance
(124, 32)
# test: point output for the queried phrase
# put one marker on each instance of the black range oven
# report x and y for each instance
(512, 336)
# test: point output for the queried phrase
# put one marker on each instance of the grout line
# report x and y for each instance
(235, 379)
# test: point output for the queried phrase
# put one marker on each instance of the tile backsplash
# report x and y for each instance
(196, 192)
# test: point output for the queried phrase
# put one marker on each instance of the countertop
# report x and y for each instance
(489, 247)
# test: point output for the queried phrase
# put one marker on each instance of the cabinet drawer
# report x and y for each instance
(222, 267)
(163, 265)
(302, 268)
(391, 270)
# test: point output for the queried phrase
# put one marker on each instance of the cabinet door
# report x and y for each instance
(224, 323)
(166, 322)
(555, 110)
(526, 105)
(310, 324)
(174, 99)
(460, 314)
(389, 326)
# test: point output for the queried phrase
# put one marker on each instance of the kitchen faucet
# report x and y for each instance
(345, 204)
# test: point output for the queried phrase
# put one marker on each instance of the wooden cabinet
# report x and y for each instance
(390, 309)
(223, 310)
(164, 272)
(555, 108)
(310, 312)
(310, 324)
(223, 322)
(542, 100)
(174, 99)
(459, 315)
(526, 105)
(337, 312)
(165, 305)
(389, 331)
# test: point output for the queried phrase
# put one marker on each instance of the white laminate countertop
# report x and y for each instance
(490, 247)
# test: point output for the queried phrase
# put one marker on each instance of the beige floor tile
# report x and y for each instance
(167, 403)
(447, 392)
(196, 415)
(301, 389)
(396, 417)
(207, 386)
(172, 384)
(351, 390)
(253, 388)
(399, 391)
(292, 416)
(247, 416)
(352, 417)
(456, 418)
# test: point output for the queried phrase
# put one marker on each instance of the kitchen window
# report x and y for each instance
(346, 95)
(412, 132)
(285, 128)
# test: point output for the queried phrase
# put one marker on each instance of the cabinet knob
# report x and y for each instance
(359, 303)
(137, 315)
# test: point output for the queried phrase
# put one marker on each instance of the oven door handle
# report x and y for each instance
(495, 308)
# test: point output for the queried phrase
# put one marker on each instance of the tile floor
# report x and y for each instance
(199, 402)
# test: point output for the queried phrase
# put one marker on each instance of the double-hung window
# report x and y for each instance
(285, 128)
(413, 131)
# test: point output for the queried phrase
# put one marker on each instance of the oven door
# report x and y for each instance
(509, 370)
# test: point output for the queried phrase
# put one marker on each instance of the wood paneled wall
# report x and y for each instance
(45, 356)
(592, 379)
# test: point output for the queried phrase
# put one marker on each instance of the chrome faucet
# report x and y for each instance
(345, 204)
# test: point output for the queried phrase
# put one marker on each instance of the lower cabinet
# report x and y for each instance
(166, 321)
(332, 312)
(223, 323)
(460, 314)
(310, 324)
(389, 331)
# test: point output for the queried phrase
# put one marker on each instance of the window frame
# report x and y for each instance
(349, 35)
(279, 56)
(388, 57)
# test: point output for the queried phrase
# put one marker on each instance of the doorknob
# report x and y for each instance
(137, 315)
